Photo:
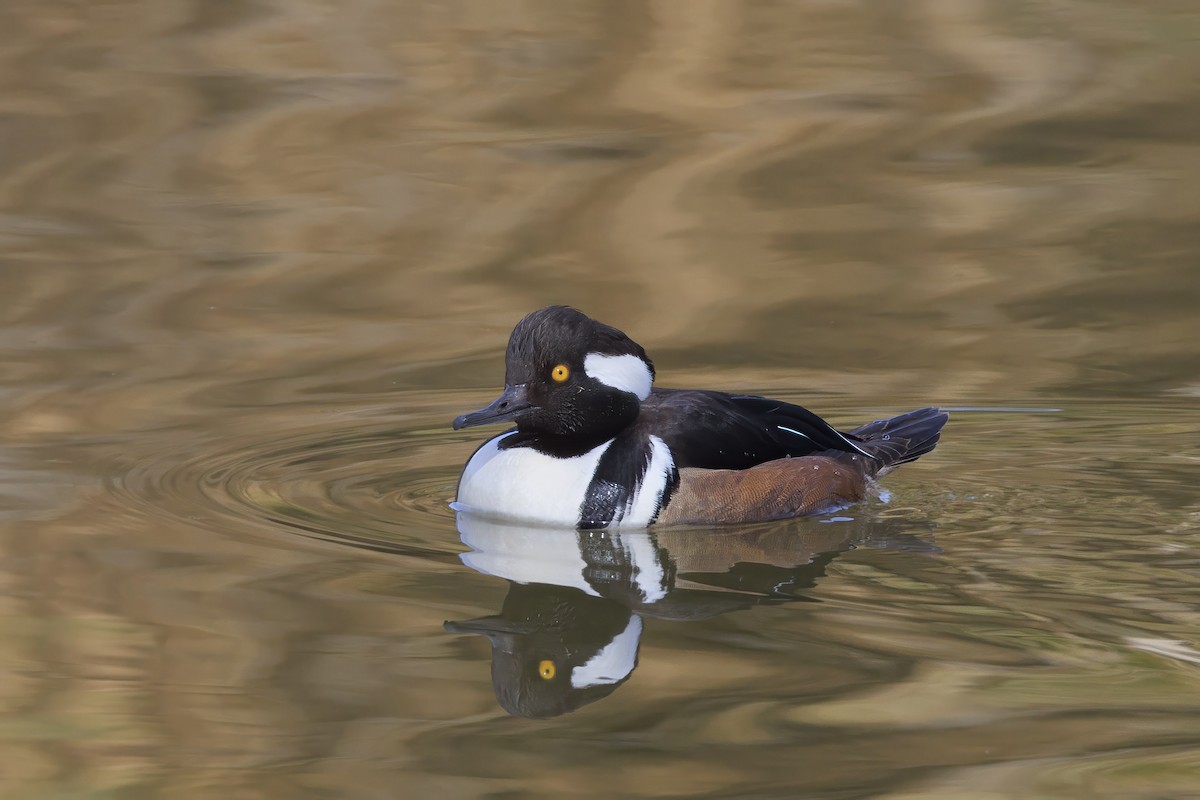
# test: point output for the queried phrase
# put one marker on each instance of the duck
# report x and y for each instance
(594, 444)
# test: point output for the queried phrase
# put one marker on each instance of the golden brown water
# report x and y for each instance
(254, 256)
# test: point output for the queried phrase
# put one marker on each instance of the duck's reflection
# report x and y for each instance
(569, 630)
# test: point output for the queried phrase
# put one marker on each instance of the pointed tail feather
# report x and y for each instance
(902, 439)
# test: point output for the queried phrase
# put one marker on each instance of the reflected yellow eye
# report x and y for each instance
(560, 373)
(546, 669)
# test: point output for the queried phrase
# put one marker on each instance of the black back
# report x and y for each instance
(714, 430)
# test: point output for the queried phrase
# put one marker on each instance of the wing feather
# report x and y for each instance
(713, 430)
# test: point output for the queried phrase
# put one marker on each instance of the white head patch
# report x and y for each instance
(627, 373)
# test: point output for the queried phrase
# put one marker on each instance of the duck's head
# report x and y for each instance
(568, 375)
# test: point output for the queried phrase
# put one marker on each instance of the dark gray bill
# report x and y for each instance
(508, 406)
(489, 626)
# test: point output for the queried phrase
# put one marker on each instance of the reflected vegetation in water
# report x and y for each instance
(255, 255)
(569, 631)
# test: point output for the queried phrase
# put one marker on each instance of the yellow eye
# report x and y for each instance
(546, 669)
(560, 373)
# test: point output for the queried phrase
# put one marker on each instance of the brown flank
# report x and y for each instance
(786, 487)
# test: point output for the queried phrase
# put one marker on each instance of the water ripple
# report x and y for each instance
(362, 485)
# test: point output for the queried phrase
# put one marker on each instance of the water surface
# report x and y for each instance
(257, 255)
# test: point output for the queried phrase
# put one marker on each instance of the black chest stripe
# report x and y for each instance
(619, 474)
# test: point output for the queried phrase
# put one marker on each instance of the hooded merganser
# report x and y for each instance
(595, 446)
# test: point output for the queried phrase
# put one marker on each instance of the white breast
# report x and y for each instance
(524, 485)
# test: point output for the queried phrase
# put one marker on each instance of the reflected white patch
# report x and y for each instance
(648, 572)
(522, 554)
(614, 662)
(627, 373)
(1171, 648)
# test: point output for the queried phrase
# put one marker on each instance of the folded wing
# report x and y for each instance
(713, 430)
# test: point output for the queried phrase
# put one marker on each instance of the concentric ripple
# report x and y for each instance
(376, 486)
(389, 483)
